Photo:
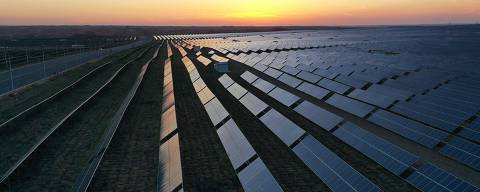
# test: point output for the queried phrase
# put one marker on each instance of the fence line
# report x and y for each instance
(18, 77)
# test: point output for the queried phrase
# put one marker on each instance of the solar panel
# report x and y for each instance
(331, 169)
(357, 83)
(352, 106)
(464, 83)
(368, 76)
(381, 151)
(218, 58)
(397, 94)
(273, 72)
(464, 107)
(449, 112)
(263, 85)
(256, 177)
(225, 80)
(237, 90)
(198, 85)
(216, 111)
(236, 145)
(455, 98)
(427, 115)
(471, 132)
(194, 75)
(344, 69)
(205, 61)
(289, 80)
(254, 59)
(283, 96)
(319, 116)
(167, 68)
(168, 88)
(307, 76)
(410, 83)
(190, 67)
(326, 73)
(282, 127)
(372, 98)
(313, 90)
(272, 63)
(430, 178)
(186, 61)
(304, 67)
(205, 95)
(169, 122)
(475, 125)
(290, 70)
(412, 130)
(170, 167)
(253, 104)
(466, 97)
(333, 86)
(260, 67)
(168, 101)
(167, 79)
(249, 77)
(463, 151)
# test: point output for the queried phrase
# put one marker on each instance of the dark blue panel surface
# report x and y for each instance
(313, 90)
(430, 178)
(383, 152)
(412, 130)
(352, 106)
(331, 169)
(319, 116)
(256, 177)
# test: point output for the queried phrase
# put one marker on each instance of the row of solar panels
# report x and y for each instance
(354, 75)
(206, 36)
(271, 45)
(384, 88)
(331, 169)
(383, 152)
(311, 58)
(393, 99)
(170, 166)
(250, 169)
(393, 90)
(356, 80)
(351, 105)
(386, 95)
(239, 47)
(196, 36)
(396, 159)
(205, 61)
(446, 107)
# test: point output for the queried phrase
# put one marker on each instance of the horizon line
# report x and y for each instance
(258, 26)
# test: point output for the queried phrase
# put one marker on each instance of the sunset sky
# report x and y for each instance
(238, 12)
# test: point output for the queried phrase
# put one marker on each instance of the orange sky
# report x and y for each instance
(238, 12)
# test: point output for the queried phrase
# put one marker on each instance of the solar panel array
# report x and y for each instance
(382, 110)
(331, 169)
(340, 109)
(170, 166)
(431, 178)
(250, 169)
(365, 103)
(392, 98)
(383, 152)
(393, 158)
